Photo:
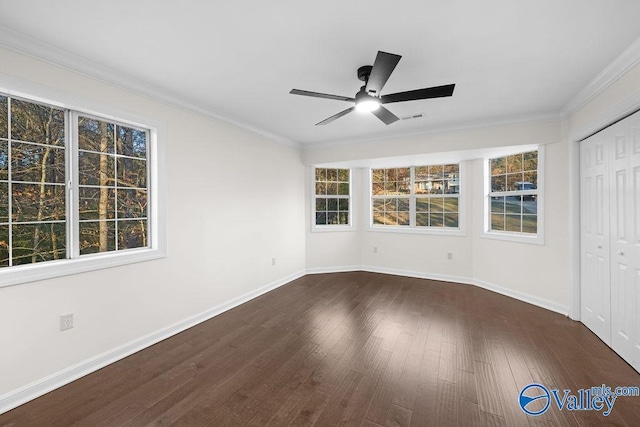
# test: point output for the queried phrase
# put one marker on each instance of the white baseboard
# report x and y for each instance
(338, 269)
(36, 389)
(540, 302)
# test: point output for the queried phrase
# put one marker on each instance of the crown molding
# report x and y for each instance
(54, 55)
(628, 59)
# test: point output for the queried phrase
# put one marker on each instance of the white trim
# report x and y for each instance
(38, 388)
(43, 51)
(338, 269)
(628, 59)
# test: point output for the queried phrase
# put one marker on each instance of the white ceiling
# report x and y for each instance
(510, 60)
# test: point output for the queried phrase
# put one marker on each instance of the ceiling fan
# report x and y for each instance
(369, 98)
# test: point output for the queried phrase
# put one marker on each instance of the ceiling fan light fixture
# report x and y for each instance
(366, 102)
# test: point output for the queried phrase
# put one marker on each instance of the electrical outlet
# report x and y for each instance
(375, 249)
(449, 255)
(273, 261)
(66, 321)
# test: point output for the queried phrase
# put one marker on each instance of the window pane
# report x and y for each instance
(332, 175)
(422, 219)
(132, 234)
(321, 218)
(497, 204)
(4, 245)
(377, 175)
(391, 218)
(98, 236)
(390, 188)
(37, 123)
(499, 183)
(321, 188)
(4, 202)
(378, 189)
(529, 205)
(4, 160)
(343, 175)
(436, 204)
(513, 223)
(378, 204)
(96, 203)
(332, 188)
(451, 204)
(403, 218)
(131, 142)
(378, 218)
(321, 174)
(96, 169)
(332, 217)
(514, 163)
(36, 202)
(95, 135)
(498, 166)
(497, 222)
(36, 163)
(436, 220)
(343, 204)
(4, 117)
(530, 161)
(513, 204)
(451, 220)
(343, 188)
(403, 204)
(332, 204)
(422, 204)
(132, 172)
(321, 204)
(343, 218)
(530, 180)
(514, 181)
(530, 224)
(38, 242)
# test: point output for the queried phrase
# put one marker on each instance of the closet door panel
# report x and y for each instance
(595, 260)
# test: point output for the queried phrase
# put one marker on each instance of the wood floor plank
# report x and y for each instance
(351, 349)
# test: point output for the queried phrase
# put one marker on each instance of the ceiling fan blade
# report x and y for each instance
(385, 115)
(321, 95)
(413, 95)
(336, 116)
(382, 68)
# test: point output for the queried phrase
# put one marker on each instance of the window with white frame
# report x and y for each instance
(70, 184)
(417, 197)
(513, 199)
(332, 200)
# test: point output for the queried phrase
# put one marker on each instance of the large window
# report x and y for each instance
(71, 185)
(513, 197)
(332, 199)
(418, 197)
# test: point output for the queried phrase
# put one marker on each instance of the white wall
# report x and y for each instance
(234, 200)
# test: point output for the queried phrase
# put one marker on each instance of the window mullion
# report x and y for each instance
(73, 223)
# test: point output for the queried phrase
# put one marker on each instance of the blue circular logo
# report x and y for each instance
(534, 396)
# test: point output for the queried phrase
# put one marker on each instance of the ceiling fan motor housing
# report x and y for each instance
(364, 72)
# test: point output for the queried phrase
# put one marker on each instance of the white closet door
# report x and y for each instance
(634, 226)
(594, 245)
(623, 282)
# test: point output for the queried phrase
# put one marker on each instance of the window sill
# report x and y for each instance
(16, 275)
(409, 230)
(514, 237)
(331, 228)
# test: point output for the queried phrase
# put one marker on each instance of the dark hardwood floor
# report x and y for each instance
(354, 349)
